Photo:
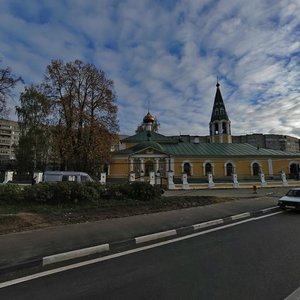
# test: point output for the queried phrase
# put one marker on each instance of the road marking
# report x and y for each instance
(240, 216)
(269, 208)
(294, 296)
(207, 224)
(97, 260)
(155, 236)
(74, 254)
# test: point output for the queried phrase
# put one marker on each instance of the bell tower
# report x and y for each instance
(219, 125)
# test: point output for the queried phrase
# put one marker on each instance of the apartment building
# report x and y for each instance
(269, 141)
(9, 136)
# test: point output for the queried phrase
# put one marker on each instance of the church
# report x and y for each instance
(176, 163)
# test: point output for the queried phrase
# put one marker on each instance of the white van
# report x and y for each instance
(73, 176)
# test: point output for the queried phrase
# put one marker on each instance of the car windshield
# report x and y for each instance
(293, 193)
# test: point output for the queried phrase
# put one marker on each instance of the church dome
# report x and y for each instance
(149, 118)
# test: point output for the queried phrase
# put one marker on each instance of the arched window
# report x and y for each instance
(294, 171)
(229, 169)
(187, 168)
(255, 169)
(149, 167)
(208, 168)
(216, 128)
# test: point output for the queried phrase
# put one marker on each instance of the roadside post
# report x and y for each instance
(131, 177)
(103, 178)
(235, 181)
(171, 185)
(262, 179)
(210, 180)
(283, 178)
(152, 178)
(185, 184)
(8, 176)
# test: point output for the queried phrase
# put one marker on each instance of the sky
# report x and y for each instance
(167, 55)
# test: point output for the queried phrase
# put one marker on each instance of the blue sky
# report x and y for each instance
(169, 53)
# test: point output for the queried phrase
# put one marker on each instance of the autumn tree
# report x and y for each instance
(33, 148)
(7, 82)
(85, 114)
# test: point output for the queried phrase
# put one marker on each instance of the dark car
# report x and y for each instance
(290, 200)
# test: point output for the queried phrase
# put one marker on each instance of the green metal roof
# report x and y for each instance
(143, 136)
(148, 144)
(209, 150)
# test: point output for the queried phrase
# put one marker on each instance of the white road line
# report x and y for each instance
(240, 216)
(155, 236)
(294, 296)
(268, 209)
(93, 261)
(207, 224)
(74, 254)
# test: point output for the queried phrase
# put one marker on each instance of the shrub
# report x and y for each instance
(82, 193)
(10, 193)
(39, 193)
(144, 191)
(71, 192)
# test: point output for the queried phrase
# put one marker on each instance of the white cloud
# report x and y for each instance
(252, 46)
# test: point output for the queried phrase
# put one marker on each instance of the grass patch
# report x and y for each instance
(23, 216)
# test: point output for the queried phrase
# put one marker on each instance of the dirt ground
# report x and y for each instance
(28, 221)
(186, 198)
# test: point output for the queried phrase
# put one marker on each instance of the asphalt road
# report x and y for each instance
(253, 260)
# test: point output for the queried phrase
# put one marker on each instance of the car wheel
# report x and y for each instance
(281, 206)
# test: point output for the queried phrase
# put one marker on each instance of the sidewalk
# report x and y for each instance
(21, 248)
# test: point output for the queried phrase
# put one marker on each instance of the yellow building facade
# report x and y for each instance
(159, 159)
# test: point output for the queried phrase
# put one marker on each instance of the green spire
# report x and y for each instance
(219, 110)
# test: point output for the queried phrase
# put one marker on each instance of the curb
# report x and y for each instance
(133, 242)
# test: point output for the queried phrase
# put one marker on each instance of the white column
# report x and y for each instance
(142, 169)
(131, 164)
(220, 132)
(156, 165)
(142, 166)
(167, 165)
(172, 165)
(270, 165)
(227, 128)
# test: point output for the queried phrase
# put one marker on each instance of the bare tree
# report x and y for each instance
(85, 113)
(7, 82)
